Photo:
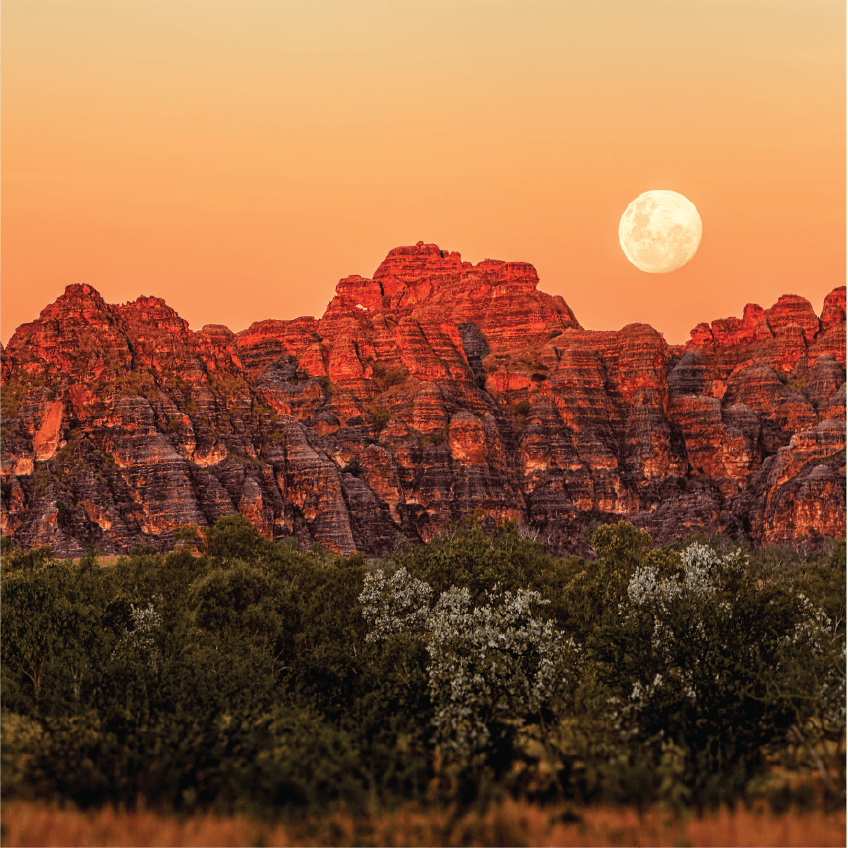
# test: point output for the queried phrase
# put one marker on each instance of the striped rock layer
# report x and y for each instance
(430, 390)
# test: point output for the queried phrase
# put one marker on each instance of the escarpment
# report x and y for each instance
(433, 389)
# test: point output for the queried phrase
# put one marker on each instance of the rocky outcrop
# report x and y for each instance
(430, 390)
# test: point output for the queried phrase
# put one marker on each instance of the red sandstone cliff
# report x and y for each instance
(434, 388)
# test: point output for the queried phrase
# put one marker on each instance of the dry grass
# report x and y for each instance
(510, 823)
(102, 561)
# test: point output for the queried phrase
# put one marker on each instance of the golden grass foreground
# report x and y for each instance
(510, 823)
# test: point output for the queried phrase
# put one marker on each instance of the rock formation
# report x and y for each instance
(435, 388)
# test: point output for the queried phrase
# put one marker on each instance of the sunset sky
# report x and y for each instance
(238, 157)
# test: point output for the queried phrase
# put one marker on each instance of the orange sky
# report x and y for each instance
(237, 157)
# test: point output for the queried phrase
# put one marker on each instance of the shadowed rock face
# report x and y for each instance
(430, 390)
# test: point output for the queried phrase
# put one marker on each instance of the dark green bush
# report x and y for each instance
(382, 416)
(233, 537)
(244, 679)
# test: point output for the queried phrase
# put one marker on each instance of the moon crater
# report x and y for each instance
(660, 231)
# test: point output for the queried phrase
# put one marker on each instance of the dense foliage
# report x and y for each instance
(240, 674)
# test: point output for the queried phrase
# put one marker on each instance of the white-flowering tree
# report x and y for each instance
(656, 597)
(494, 669)
(709, 662)
(139, 644)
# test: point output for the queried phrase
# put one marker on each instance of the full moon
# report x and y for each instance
(660, 231)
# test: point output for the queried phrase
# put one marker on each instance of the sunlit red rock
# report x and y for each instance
(804, 486)
(833, 311)
(467, 437)
(264, 342)
(49, 434)
(430, 390)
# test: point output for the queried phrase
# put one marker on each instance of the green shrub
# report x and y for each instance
(15, 559)
(233, 537)
(187, 533)
(244, 679)
(435, 437)
(387, 377)
(702, 661)
(381, 416)
(395, 377)
(11, 395)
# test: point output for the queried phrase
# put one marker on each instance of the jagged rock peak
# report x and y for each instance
(78, 299)
(411, 264)
(433, 389)
(833, 311)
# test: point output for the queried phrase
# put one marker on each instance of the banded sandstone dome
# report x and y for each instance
(432, 389)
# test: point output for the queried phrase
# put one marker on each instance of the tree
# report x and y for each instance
(41, 620)
(236, 603)
(494, 669)
(597, 589)
(473, 559)
(233, 537)
(700, 663)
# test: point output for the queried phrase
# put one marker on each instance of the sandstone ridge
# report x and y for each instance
(434, 388)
